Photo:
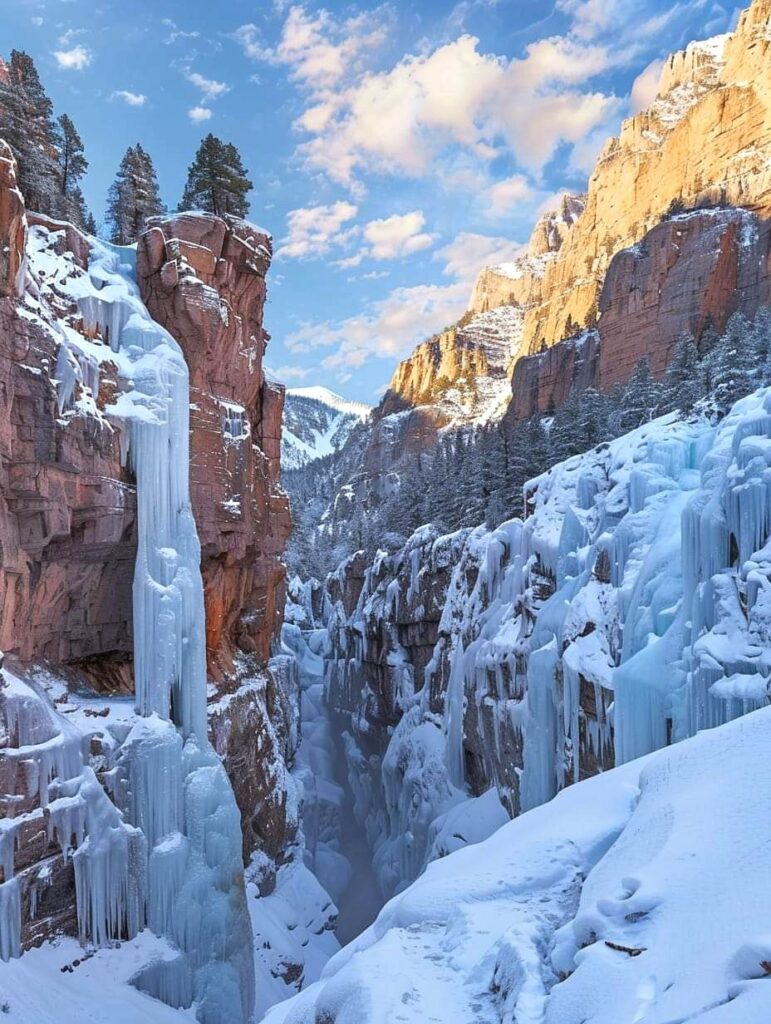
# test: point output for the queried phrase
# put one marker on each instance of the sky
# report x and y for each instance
(395, 149)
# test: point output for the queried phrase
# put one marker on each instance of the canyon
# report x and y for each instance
(478, 759)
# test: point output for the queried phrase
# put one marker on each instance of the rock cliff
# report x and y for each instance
(68, 511)
(703, 142)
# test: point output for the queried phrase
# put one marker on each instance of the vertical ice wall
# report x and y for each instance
(631, 609)
(167, 779)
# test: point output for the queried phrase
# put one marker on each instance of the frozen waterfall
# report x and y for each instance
(167, 779)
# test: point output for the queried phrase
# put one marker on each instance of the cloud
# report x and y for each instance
(457, 98)
(75, 59)
(132, 99)
(199, 114)
(210, 89)
(468, 252)
(248, 38)
(318, 50)
(387, 329)
(505, 195)
(37, 22)
(176, 33)
(313, 230)
(400, 235)
(290, 373)
(645, 87)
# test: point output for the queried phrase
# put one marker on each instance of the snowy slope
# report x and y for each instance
(317, 422)
(641, 895)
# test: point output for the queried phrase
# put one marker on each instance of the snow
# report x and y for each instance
(317, 422)
(62, 981)
(620, 900)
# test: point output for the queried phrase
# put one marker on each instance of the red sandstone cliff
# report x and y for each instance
(68, 507)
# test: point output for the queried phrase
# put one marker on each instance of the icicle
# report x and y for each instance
(454, 714)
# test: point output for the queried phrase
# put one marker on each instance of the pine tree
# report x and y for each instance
(640, 400)
(134, 197)
(27, 124)
(684, 379)
(72, 165)
(732, 363)
(217, 180)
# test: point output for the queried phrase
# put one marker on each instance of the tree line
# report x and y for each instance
(477, 475)
(52, 164)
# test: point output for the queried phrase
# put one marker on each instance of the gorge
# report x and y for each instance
(484, 739)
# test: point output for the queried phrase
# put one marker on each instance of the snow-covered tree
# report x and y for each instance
(134, 196)
(732, 364)
(27, 124)
(639, 402)
(217, 180)
(684, 378)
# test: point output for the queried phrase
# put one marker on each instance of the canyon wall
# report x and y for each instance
(68, 531)
(616, 257)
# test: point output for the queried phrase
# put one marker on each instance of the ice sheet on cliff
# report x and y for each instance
(168, 850)
(629, 610)
(618, 900)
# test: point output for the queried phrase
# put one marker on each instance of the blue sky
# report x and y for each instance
(395, 149)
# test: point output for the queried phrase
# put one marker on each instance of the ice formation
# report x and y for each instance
(629, 610)
(167, 851)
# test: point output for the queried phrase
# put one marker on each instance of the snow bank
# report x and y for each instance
(618, 900)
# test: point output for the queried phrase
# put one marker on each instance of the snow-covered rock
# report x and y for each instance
(317, 422)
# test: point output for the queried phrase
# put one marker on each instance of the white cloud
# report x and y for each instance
(313, 230)
(199, 114)
(38, 21)
(291, 373)
(394, 237)
(645, 87)
(132, 99)
(75, 59)
(210, 89)
(248, 38)
(175, 32)
(319, 50)
(388, 329)
(505, 195)
(456, 97)
(468, 252)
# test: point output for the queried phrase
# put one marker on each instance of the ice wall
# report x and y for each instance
(167, 849)
(629, 610)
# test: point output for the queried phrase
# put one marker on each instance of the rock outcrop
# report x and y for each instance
(686, 273)
(203, 279)
(703, 142)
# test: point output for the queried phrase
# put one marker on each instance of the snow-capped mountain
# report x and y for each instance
(317, 422)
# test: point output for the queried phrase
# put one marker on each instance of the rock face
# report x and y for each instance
(67, 505)
(204, 280)
(704, 141)
(695, 269)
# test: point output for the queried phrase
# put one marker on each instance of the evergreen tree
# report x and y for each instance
(27, 124)
(684, 379)
(217, 180)
(731, 364)
(640, 400)
(134, 197)
(72, 166)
